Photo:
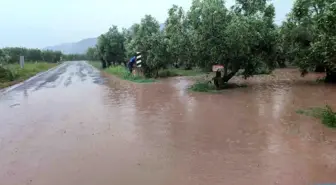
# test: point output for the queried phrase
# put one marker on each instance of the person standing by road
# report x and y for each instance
(131, 63)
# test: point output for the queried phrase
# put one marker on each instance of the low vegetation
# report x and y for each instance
(122, 73)
(11, 74)
(325, 114)
(10, 71)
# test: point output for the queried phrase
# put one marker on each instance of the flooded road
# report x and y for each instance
(71, 126)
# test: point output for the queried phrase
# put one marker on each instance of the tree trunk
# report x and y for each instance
(282, 64)
(108, 63)
(226, 78)
(103, 63)
(331, 76)
(319, 69)
(225, 70)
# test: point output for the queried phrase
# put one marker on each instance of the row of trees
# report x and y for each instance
(243, 37)
(12, 55)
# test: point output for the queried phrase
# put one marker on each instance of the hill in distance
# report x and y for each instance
(79, 47)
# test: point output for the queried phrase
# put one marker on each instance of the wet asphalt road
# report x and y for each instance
(75, 126)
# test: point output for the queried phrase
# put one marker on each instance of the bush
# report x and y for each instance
(12, 73)
(7, 74)
(328, 117)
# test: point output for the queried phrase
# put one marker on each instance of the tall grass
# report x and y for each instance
(12, 73)
(122, 72)
(325, 114)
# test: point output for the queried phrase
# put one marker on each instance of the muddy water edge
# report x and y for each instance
(73, 130)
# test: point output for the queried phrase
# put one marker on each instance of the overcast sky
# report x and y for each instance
(41, 23)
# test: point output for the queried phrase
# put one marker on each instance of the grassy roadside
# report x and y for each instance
(122, 73)
(13, 74)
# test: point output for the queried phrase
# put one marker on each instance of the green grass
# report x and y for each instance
(14, 74)
(325, 114)
(123, 73)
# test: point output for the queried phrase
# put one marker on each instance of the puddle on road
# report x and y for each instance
(126, 133)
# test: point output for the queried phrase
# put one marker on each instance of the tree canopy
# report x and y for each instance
(243, 37)
(310, 38)
(12, 55)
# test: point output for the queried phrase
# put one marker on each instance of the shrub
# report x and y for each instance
(328, 117)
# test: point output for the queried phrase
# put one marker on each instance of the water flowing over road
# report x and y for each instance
(74, 126)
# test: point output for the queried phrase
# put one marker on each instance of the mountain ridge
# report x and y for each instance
(81, 46)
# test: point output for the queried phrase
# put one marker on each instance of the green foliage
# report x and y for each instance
(110, 48)
(122, 72)
(329, 117)
(243, 38)
(12, 73)
(6, 74)
(326, 114)
(310, 34)
(92, 54)
(74, 57)
(12, 55)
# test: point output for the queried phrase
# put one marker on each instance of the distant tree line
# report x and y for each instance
(243, 38)
(11, 55)
(74, 57)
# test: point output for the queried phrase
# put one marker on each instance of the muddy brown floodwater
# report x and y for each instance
(70, 126)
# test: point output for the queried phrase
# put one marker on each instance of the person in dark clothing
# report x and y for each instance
(131, 63)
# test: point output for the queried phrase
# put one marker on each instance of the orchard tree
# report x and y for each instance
(51, 56)
(129, 43)
(310, 27)
(243, 38)
(92, 53)
(4, 58)
(179, 46)
(12, 55)
(111, 48)
(150, 41)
